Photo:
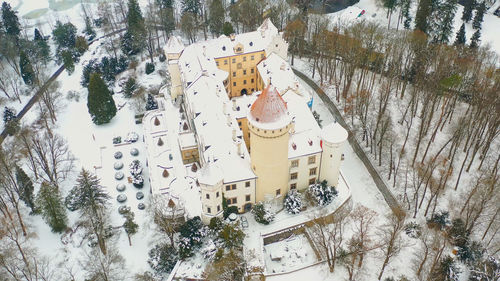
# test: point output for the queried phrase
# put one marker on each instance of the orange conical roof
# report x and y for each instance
(269, 107)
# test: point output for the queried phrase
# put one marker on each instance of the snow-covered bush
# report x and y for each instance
(117, 140)
(191, 237)
(470, 253)
(162, 258)
(413, 230)
(150, 67)
(151, 103)
(135, 168)
(485, 270)
(322, 193)
(439, 220)
(209, 250)
(262, 214)
(138, 181)
(132, 137)
(293, 202)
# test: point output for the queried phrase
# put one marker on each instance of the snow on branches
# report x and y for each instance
(293, 202)
(322, 193)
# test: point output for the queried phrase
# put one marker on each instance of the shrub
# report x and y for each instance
(413, 230)
(150, 68)
(293, 202)
(322, 193)
(162, 258)
(163, 58)
(230, 210)
(262, 214)
(458, 233)
(231, 236)
(129, 87)
(439, 220)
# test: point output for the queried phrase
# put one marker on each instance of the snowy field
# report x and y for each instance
(289, 254)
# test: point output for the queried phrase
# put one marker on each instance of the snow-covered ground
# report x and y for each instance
(289, 254)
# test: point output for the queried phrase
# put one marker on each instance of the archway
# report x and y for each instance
(243, 92)
(247, 207)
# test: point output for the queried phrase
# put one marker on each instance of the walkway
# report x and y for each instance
(382, 187)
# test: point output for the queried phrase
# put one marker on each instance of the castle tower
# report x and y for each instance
(269, 125)
(333, 138)
(210, 180)
(173, 51)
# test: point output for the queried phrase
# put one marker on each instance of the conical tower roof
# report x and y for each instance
(269, 107)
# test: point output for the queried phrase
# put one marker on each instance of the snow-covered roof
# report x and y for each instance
(174, 45)
(210, 174)
(334, 133)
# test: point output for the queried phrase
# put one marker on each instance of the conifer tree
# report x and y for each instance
(421, 18)
(25, 188)
(405, 8)
(446, 10)
(135, 36)
(469, 6)
(9, 114)
(151, 103)
(42, 49)
(10, 120)
(130, 225)
(27, 72)
(479, 17)
(38, 35)
(50, 203)
(216, 17)
(167, 15)
(10, 21)
(460, 38)
(100, 103)
(474, 41)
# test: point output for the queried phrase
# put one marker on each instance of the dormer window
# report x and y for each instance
(223, 48)
(251, 44)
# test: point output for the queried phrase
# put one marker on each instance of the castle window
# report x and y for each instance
(312, 171)
(261, 56)
(233, 186)
(293, 176)
(252, 57)
(225, 62)
(208, 196)
(232, 201)
(218, 208)
(245, 58)
(295, 163)
(244, 82)
(209, 210)
(228, 187)
(228, 201)
(247, 198)
(247, 184)
(312, 181)
(233, 60)
(252, 80)
(234, 83)
(278, 192)
(251, 70)
(293, 186)
(217, 63)
(239, 123)
(234, 73)
(311, 160)
(244, 72)
(217, 194)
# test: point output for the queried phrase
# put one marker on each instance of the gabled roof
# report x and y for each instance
(174, 45)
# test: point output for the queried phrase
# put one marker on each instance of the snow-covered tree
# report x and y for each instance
(322, 193)
(135, 36)
(293, 202)
(130, 226)
(162, 258)
(460, 38)
(100, 103)
(136, 172)
(439, 220)
(231, 266)
(27, 72)
(9, 114)
(469, 6)
(446, 271)
(25, 186)
(191, 237)
(231, 236)
(475, 40)
(151, 103)
(479, 17)
(10, 21)
(49, 201)
(486, 270)
(262, 214)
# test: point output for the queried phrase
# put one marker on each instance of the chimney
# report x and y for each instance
(240, 151)
(234, 134)
(229, 120)
(282, 67)
(234, 104)
(292, 127)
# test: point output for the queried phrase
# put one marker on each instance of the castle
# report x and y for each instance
(235, 123)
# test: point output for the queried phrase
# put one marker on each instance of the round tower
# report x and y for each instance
(333, 138)
(210, 180)
(269, 124)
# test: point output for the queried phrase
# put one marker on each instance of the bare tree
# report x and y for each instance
(100, 267)
(164, 215)
(390, 234)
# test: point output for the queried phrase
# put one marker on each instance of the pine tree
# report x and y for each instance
(405, 8)
(479, 17)
(135, 36)
(89, 30)
(475, 40)
(49, 201)
(192, 6)
(38, 35)
(216, 17)
(469, 6)
(460, 38)
(162, 258)
(42, 49)
(227, 29)
(293, 202)
(446, 10)
(129, 225)
(100, 103)
(10, 21)
(64, 35)
(9, 114)
(151, 103)
(422, 16)
(25, 189)
(26, 69)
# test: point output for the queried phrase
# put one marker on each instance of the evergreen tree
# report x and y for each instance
(293, 202)
(469, 6)
(192, 6)
(216, 17)
(64, 35)
(475, 40)
(134, 38)
(49, 201)
(444, 29)
(89, 30)
(167, 15)
(100, 103)
(162, 258)
(405, 9)
(69, 63)
(10, 21)
(460, 38)
(129, 225)
(479, 17)
(25, 188)
(421, 18)
(41, 48)
(38, 35)
(151, 103)
(27, 72)
(9, 114)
